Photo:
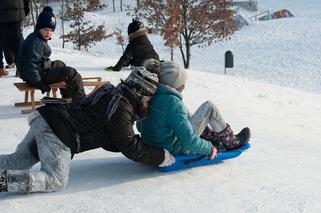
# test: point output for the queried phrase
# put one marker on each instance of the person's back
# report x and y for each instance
(139, 48)
(13, 10)
(105, 119)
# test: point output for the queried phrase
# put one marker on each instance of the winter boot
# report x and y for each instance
(231, 141)
(3, 72)
(212, 137)
(3, 181)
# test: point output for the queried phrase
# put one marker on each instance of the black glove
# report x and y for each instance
(43, 87)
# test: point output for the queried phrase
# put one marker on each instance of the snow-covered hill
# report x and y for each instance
(280, 173)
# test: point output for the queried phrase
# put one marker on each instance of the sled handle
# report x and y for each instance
(194, 159)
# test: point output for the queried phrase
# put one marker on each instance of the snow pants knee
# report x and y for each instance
(207, 114)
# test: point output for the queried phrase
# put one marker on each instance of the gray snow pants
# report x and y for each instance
(40, 144)
(207, 114)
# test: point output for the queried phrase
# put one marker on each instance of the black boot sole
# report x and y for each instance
(243, 136)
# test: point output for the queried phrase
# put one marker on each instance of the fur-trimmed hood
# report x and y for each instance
(138, 33)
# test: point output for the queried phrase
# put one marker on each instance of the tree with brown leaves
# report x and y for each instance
(83, 35)
(185, 23)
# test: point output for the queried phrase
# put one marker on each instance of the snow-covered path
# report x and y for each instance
(274, 88)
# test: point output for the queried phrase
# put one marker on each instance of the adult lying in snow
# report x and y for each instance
(168, 125)
(105, 119)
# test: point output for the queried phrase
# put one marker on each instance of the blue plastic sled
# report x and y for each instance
(193, 160)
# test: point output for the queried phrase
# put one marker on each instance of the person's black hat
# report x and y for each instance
(46, 19)
(135, 26)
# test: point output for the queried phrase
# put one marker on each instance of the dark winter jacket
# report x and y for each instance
(137, 51)
(13, 10)
(87, 128)
(33, 57)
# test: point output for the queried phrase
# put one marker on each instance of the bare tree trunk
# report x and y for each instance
(62, 23)
(79, 40)
(32, 15)
(114, 6)
(183, 57)
(188, 54)
(36, 9)
(182, 50)
(184, 33)
(123, 48)
(121, 5)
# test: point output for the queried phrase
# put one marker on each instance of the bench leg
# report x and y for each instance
(32, 101)
(54, 93)
(26, 96)
(26, 102)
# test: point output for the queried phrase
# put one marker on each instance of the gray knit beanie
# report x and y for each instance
(172, 74)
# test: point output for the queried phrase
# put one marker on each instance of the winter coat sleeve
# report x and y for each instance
(177, 119)
(125, 59)
(129, 144)
(32, 61)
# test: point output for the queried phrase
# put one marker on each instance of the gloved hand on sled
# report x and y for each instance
(169, 159)
(109, 69)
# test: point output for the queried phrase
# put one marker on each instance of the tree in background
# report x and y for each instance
(64, 7)
(83, 34)
(35, 10)
(120, 5)
(120, 38)
(185, 23)
(94, 5)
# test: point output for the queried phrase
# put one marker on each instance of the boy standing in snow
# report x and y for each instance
(105, 120)
(35, 66)
(138, 50)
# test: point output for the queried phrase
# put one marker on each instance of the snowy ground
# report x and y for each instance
(275, 89)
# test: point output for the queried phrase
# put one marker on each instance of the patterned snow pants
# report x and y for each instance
(39, 145)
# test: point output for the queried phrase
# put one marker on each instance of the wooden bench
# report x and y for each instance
(29, 91)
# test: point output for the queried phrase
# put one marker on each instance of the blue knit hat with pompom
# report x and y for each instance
(46, 19)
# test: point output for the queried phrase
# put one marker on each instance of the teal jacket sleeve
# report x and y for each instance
(177, 119)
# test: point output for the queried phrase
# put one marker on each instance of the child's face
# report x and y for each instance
(46, 33)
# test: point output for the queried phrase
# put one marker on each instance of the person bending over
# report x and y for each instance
(104, 119)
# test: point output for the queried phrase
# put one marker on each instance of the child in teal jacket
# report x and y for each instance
(169, 126)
